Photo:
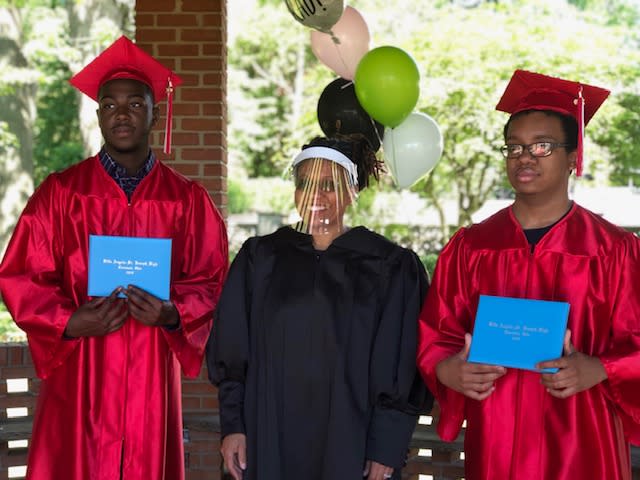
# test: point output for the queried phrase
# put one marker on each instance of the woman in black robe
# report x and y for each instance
(313, 347)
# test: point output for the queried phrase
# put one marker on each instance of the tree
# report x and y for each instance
(58, 139)
(466, 54)
(8, 176)
(619, 134)
(463, 77)
(272, 87)
(17, 102)
(42, 43)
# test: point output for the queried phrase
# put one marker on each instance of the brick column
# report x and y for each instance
(190, 37)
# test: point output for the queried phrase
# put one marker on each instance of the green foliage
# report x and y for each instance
(20, 4)
(7, 139)
(272, 195)
(613, 12)
(619, 135)
(273, 87)
(360, 213)
(262, 194)
(238, 196)
(429, 261)
(462, 78)
(422, 239)
(43, 42)
(9, 331)
(58, 141)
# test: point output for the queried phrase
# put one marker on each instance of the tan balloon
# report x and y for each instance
(348, 42)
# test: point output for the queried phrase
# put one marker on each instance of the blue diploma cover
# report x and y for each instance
(518, 332)
(122, 261)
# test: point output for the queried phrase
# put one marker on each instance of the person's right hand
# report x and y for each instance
(98, 317)
(234, 454)
(475, 380)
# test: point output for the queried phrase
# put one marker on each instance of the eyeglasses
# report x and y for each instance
(537, 149)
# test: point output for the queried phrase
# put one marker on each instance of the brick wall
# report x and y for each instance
(190, 37)
(202, 443)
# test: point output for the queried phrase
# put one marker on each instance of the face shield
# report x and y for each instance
(324, 188)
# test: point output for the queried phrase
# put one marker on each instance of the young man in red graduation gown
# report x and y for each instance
(109, 405)
(578, 422)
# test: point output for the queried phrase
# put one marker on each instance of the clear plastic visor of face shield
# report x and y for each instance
(323, 190)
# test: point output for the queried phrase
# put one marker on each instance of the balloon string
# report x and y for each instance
(375, 129)
(344, 63)
(335, 39)
(371, 120)
(393, 164)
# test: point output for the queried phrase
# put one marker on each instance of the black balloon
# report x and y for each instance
(339, 112)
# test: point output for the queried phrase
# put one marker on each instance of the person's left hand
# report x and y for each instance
(150, 310)
(577, 372)
(376, 471)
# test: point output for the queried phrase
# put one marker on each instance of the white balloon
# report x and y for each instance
(412, 149)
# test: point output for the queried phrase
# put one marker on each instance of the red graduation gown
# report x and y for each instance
(103, 399)
(520, 431)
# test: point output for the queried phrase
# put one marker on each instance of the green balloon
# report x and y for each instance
(387, 84)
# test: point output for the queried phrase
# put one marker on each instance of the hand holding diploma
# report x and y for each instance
(150, 310)
(474, 380)
(577, 371)
(100, 316)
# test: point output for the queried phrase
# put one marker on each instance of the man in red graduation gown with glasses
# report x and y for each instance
(110, 399)
(576, 423)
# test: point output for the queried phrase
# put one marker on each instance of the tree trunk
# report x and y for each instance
(18, 104)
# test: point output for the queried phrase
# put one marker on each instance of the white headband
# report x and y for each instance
(332, 155)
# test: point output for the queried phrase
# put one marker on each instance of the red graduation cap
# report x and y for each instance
(124, 60)
(534, 91)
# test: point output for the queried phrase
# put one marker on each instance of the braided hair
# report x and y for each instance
(357, 148)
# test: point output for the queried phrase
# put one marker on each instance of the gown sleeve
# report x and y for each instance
(622, 358)
(195, 290)
(399, 395)
(228, 345)
(31, 279)
(441, 332)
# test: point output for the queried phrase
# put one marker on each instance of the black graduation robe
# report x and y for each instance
(314, 354)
